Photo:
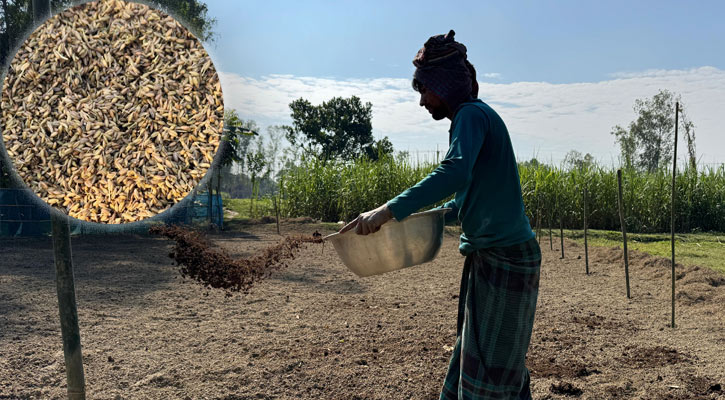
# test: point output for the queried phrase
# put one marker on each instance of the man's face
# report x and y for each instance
(437, 107)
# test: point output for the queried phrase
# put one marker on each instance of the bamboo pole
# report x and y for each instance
(65, 286)
(561, 232)
(276, 211)
(586, 245)
(538, 219)
(551, 241)
(672, 215)
(67, 308)
(624, 230)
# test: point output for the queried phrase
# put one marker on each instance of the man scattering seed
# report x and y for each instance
(500, 281)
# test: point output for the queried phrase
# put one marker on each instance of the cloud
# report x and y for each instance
(544, 119)
(491, 75)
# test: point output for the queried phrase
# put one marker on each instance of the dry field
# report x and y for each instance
(313, 330)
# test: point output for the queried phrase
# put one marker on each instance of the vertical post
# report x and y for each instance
(65, 286)
(551, 241)
(624, 230)
(561, 231)
(209, 197)
(672, 216)
(67, 307)
(276, 211)
(586, 245)
(538, 215)
(41, 11)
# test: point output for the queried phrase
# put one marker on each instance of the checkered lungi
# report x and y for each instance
(496, 307)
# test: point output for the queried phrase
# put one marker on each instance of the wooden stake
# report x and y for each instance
(551, 241)
(561, 232)
(65, 287)
(67, 307)
(537, 218)
(624, 230)
(672, 216)
(586, 246)
(276, 211)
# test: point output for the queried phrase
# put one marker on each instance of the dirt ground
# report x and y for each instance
(313, 330)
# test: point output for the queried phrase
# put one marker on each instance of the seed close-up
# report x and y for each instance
(111, 111)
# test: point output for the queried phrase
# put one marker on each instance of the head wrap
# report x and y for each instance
(442, 67)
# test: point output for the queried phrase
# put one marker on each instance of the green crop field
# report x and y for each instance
(337, 190)
(334, 190)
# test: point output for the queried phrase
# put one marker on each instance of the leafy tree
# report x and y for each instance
(688, 128)
(575, 160)
(533, 163)
(647, 144)
(238, 134)
(194, 13)
(379, 148)
(338, 128)
(402, 156)
(233, 147)
(272, 149)
(627, 144)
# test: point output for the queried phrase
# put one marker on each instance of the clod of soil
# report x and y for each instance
(216, 269)
(656, 356)
(566, 389)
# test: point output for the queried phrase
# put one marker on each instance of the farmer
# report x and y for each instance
(499, 285)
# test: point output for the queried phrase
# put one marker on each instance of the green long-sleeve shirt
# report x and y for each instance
(480, 168)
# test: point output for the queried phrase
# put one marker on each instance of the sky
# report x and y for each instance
(560, 73)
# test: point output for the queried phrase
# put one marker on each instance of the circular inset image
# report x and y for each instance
(111, 111)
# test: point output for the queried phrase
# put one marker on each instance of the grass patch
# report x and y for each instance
(702, 249)
(260, 208)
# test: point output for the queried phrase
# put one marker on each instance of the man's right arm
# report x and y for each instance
(452, 215)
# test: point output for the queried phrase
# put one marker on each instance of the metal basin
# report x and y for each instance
(415, 240)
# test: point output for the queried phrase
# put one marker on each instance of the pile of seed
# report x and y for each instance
(111, 111)
(215, 269)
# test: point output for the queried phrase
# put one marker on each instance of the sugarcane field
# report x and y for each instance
(216, 199)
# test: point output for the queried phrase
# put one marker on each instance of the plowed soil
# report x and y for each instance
(313, 330)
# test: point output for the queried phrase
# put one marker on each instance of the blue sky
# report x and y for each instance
(555, 54)
(552, 41)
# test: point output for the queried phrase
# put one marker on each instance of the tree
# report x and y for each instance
(533, 163)
(688, 127)
(233, 147)
(194, 13)
(379, 149)
(574, 159)
(338, 128)
(627, 145)
(647, 144)
(258, 167)
(238, 133)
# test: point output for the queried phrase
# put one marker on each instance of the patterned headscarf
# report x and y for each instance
(442, 67)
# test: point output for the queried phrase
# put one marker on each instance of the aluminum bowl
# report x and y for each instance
(397, 245)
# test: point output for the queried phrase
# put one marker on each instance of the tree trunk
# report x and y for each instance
(5, 44)
(251, 197)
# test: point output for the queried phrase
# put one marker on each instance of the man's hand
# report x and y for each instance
(369, 222)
